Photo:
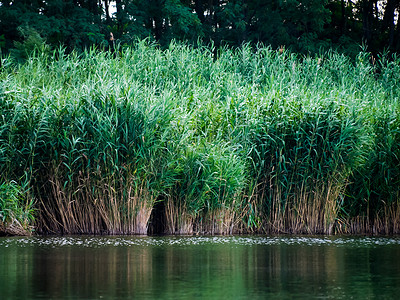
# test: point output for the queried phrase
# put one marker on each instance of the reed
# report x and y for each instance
(16, 210)
(253, 140)
(209, 180)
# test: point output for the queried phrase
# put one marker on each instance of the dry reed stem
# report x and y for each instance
(179, 221)
(311, 210)
(14, 227)
(89, 206)
(220, 221)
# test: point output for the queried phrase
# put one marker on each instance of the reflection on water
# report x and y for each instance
(199, 267)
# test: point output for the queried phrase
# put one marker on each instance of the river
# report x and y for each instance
(238, 267)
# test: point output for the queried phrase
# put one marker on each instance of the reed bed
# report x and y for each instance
(250, 140)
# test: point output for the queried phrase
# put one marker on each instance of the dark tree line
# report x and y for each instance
(302, 25)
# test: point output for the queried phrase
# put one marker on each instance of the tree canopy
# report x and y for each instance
(302, 25)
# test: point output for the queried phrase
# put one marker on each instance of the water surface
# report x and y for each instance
(199, 267)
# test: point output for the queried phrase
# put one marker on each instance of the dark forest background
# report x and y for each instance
(304, 26)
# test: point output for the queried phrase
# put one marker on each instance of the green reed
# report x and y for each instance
(16, 210)
(250, 140)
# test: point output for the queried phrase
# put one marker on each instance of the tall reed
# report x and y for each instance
(253, 140)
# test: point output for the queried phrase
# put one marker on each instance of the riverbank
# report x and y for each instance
(179, 141)
(13, 229)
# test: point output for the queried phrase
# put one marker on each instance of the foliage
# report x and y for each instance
(32, 42)
(305, 26)
(16, 213)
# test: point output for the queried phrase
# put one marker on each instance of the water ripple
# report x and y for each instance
(126, 241)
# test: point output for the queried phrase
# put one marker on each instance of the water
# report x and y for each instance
(199, 268)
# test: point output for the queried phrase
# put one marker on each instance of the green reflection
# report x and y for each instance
(186, 268)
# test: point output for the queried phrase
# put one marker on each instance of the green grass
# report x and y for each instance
(16, 211)
(251, 141)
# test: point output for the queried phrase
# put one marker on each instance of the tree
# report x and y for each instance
(389, 19)
(302, 25)
(73, 23)
(163, 20)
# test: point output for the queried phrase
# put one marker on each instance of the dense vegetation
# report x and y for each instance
(255, 140)
(16, 211)
(303, 26)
